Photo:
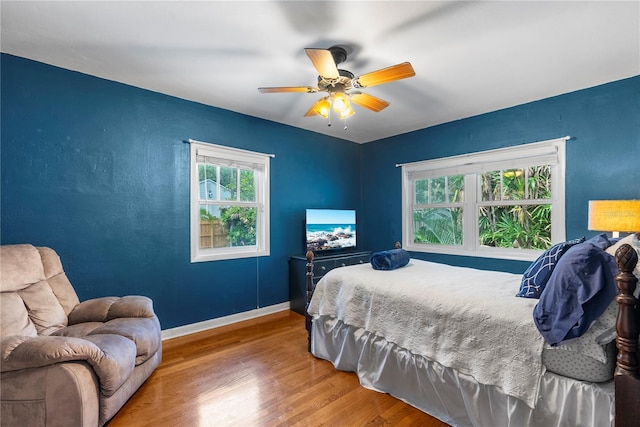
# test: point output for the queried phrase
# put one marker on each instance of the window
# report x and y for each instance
(505, 203)
(229, 203)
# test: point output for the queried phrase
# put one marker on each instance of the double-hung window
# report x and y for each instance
(229, 203)
(505, 203)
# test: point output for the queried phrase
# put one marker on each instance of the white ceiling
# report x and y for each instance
(469, 57)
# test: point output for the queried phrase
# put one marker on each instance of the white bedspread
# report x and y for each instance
(463, 318)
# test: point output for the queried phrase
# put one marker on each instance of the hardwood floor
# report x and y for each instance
(258, 373)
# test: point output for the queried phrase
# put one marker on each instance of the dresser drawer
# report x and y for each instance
(322, 267)
(357, 259)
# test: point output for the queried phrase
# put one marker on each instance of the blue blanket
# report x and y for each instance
(389, 260)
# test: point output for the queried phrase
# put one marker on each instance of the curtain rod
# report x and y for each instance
(211, 143)
(566, 138)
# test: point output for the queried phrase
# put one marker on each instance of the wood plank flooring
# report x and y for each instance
(258, 373)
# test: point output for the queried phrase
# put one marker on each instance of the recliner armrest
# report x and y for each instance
(34, 397)
(108, 308)
(112, 357)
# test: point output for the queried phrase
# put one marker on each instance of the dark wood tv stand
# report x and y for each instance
(321, 265)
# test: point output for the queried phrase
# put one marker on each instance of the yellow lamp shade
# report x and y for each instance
(322, 107)
(614, 215)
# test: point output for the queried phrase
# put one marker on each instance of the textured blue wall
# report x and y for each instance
(99, 171)
(603, 157)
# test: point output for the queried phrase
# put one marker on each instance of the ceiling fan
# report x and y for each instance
(339, 84)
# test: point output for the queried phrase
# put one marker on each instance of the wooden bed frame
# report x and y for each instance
(627, 373)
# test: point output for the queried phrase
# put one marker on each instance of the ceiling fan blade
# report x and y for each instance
(385, 75)
(322, 60)
(369, 101)
(306, 89)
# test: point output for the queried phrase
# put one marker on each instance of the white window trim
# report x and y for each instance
(551, 152)
(236, 157)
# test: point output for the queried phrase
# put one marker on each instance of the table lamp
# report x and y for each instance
(614, 216)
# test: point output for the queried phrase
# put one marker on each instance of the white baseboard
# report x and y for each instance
(222, 321)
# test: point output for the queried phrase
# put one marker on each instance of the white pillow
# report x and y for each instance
(593, 341)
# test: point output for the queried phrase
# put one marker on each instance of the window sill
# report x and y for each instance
(252, 253)
(485, 252)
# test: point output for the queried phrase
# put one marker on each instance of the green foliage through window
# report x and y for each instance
(224, 225)
(510, 224)
(241, 225)
(438, 226)
(514, 209)
(515, 226)
(437, 216)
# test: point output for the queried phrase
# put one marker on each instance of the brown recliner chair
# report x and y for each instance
(65, 362)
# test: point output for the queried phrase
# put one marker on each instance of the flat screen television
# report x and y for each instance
(330, 229)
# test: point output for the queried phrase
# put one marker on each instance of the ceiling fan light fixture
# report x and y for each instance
(347, 112)
(340, 102)
(322, 107)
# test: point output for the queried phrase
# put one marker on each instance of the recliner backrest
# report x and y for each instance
(35, 294)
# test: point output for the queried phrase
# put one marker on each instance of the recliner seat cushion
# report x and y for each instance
(120, 354)
(141, 331)
(80, 330)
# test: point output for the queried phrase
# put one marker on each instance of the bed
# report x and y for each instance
(456, 343)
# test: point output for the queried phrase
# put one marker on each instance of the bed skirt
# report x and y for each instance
(452, 397)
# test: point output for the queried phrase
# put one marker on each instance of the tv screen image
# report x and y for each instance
(330, 229)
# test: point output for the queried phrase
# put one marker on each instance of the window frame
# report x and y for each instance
(240, 159)
(552, 152)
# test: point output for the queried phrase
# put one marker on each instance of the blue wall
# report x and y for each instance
(603, 157)
(99, 171)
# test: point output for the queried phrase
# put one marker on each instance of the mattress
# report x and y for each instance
(464, 318)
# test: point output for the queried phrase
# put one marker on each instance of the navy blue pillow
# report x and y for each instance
(537, 275)
(580, 288)
(390, 260)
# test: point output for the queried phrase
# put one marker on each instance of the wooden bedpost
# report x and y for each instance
(626, 375)
(309, 295)
(626, 322)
